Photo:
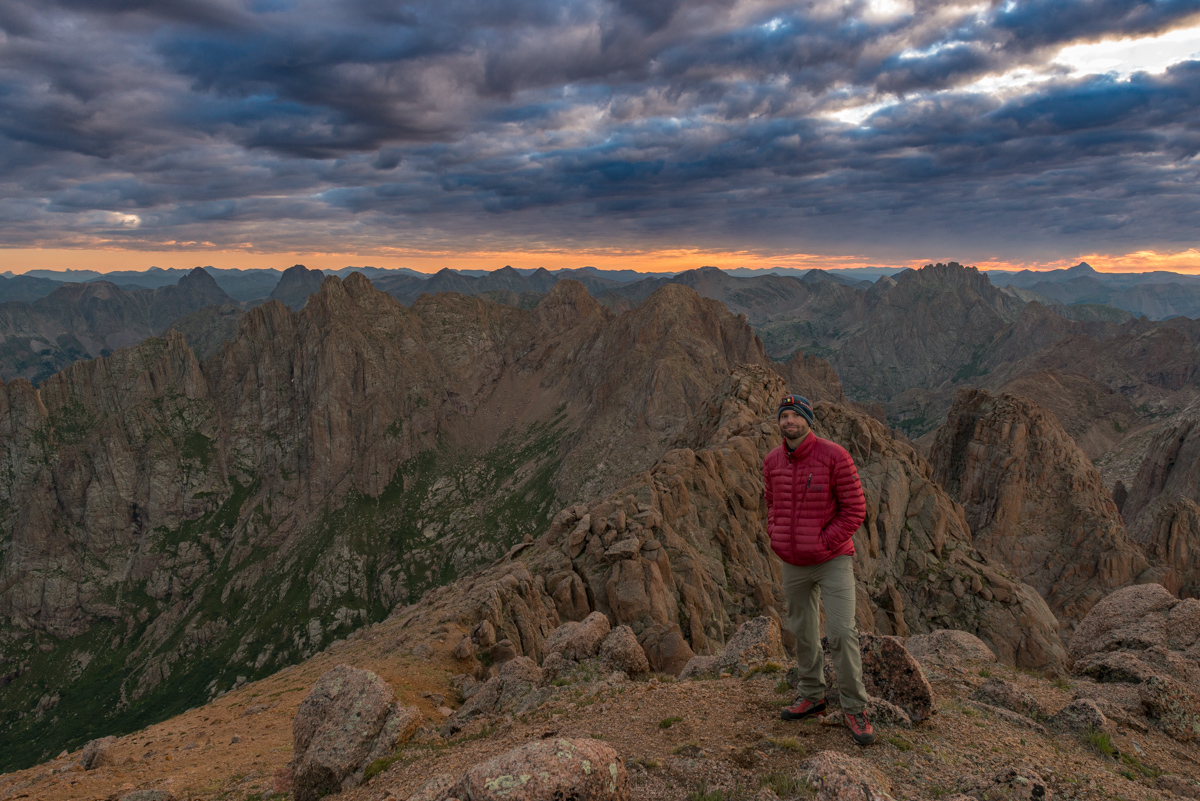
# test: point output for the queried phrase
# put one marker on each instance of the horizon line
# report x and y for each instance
(18, 261)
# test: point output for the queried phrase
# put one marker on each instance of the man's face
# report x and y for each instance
(793, 424)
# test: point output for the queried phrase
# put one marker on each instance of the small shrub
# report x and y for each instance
(787, 785)
(789, 744)
(765, 668)
(667, 723)
(1100, 742)
(380, 765)
(783, 687)
(596, 736)
(1062, 683)
(985, 673)
(1149, 771)
(900, 742)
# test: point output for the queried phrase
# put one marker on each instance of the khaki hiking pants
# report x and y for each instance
(804, 588)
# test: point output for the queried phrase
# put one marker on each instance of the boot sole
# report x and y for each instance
(786, 715)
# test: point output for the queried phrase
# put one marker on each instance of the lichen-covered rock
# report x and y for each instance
(881, 712)
(1003, 693)
(1129, 619)
(97, 753)
(579, 640)
(1119, 666)
(1172, 706)
(699, 667)
(556, 665)
(890, 672)
(621, 651)
(1012, 783)
(436, 789)
(1080, 716)
(754, 642)
(515, 681)
(949, 647)
(837, 777)
(582, 770)
(348, 720)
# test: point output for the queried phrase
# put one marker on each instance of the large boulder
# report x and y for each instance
(1174, 707)
(1143, 635)
(949, 647)
(579, 640)
(347, 721)
(666, 649)
(621, 651)
(581, 770)
(1080, 716)
(515, 684)
(890, 672)
(1003, 693)
(97, 753)
(756, 641)
(837, 777)
(1132, 619)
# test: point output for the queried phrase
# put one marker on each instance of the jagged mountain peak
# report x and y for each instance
(296, 285)
(1034, 500)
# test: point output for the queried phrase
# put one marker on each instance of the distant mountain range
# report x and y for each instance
(1157, 295)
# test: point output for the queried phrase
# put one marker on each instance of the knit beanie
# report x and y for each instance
(797, 403)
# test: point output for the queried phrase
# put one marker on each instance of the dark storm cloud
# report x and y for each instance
(295, 123)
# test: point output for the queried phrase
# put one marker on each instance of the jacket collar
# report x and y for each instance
(803, 449)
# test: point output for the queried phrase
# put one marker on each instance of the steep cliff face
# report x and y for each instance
(1162, 510)
(1034, 500)
(170, 525)
(680, 552)
(1095, 416)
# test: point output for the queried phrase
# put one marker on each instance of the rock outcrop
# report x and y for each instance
(348, 720)
(949, 647)
(702, 564)
(1163, 506)
(837, 777)
(1034, 501)
(585, 770)
(1143, 635)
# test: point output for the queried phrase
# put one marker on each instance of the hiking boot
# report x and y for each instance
(803, 708)
(860, 728)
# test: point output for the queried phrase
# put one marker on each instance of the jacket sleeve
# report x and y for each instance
(852, 505)
(767, 485)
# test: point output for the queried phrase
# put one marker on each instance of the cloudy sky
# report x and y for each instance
(654, 134)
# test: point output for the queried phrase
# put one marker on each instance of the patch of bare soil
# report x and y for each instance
(717, 740)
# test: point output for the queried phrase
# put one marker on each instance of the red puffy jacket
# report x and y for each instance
(815, 501)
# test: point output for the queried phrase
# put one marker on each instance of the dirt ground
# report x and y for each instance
(717, 739)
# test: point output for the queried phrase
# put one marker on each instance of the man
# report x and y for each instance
(814, 505)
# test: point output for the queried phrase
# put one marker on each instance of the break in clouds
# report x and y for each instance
(355, 124)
